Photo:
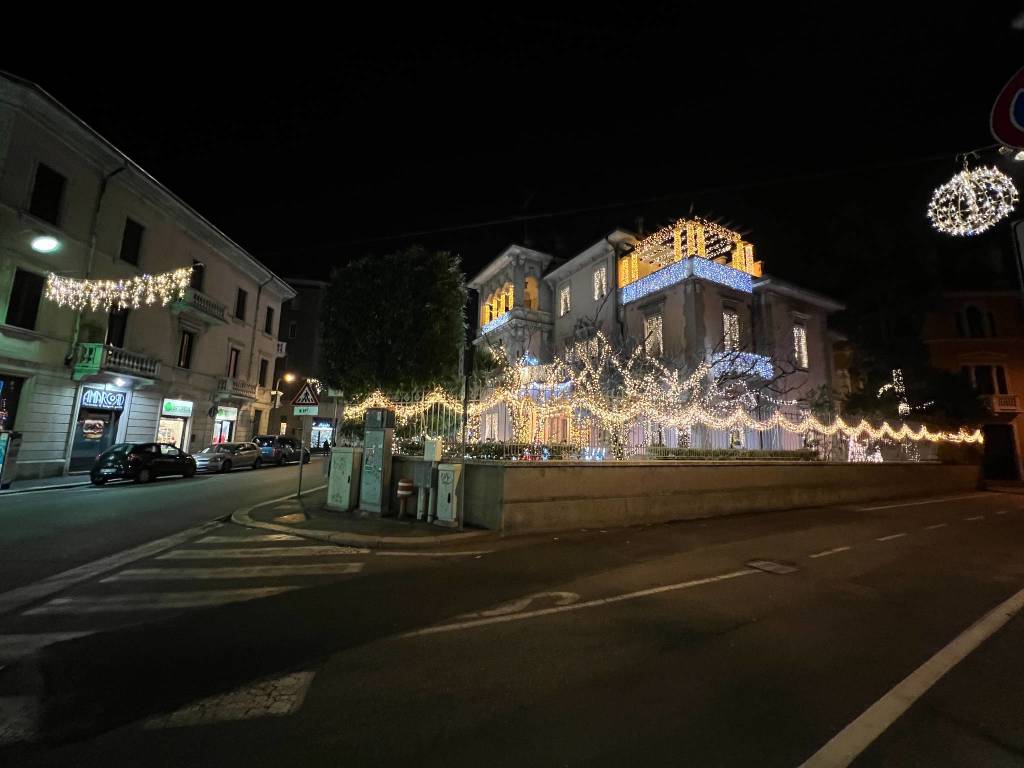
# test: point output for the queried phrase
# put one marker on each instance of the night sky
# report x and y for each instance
(349, 137)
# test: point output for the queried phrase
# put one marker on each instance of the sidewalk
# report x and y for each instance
(307, 518)
(47, 483)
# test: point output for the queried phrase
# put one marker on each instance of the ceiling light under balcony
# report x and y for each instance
(45, 244)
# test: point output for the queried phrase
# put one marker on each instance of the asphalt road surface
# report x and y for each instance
(648, 646)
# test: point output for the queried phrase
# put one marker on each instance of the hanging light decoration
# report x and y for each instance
(972, 201)
(105, 295)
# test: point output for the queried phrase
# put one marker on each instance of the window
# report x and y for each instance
(600, 283)
(262, 381)
(240, 304)
(131, 241)
(188, 340)
(800, 345)
(233, 354)
(1001, 380)
(169, 450)
(198, 273)
(293, 329)
(23, 307)
(257, 421)
(47, 194)
(959, 324)
(987, 379)
(117, 326)
(653, 335)
(564, 301)
(991, 325)
(975, 323)
(283, 428)
(730, 330)
(268, 325)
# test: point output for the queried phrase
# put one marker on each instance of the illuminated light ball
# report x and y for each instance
(972, 202)
(45, 244)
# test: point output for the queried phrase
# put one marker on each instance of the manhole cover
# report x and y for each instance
(771, 566)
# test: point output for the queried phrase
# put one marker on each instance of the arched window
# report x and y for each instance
(975, 323)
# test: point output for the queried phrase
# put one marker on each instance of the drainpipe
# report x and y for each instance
(94, 222)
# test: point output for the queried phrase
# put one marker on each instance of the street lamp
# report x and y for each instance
(289, 377)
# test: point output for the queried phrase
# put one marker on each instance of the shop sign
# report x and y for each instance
(180, 408)
(227, 414)
(102, 398)
(323, 424)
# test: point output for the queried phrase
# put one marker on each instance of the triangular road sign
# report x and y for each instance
(306, 395)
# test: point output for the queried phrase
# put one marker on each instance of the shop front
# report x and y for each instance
(224, 424)
(174, 421)
(99, 413)
(10, 391)
(323, 429)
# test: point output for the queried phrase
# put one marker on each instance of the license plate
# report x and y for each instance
(107, 471)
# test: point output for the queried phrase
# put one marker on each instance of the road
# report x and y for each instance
(46, 532)
(647, 646)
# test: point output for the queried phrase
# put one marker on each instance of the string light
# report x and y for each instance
(576, 387)
(105, 295)
(972, 201)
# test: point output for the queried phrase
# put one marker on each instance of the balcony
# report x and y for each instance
(91, 359)
(1003, 403)
(201, 306)
(235, 388)
(522, 315)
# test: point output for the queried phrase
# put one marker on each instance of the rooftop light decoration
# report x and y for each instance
(686, 238)
(973, 201)
(105, 295)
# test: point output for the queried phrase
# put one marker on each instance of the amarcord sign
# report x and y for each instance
(101, 398)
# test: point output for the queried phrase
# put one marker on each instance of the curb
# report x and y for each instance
(40, 489)
(244, 518)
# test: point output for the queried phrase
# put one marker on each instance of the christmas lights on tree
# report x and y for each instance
(105, 295)
(972, 201)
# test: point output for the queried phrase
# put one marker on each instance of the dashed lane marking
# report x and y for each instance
(257, 538)
(972, 519)
(828, 552)
(234, 572)
(891, 537)
(1001, 512)
(226, 554)
(850, 742)
(433, 554)
(937, 525)
(152, 601)
(580, 606)
(926, 501)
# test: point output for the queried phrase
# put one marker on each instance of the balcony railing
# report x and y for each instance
(1003, 403)
(228, 387)
(518, 313)
(93, 358)
(199, 302)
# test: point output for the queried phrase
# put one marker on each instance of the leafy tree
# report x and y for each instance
(394, 322)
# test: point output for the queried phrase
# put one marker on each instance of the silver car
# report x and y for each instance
(224, 457)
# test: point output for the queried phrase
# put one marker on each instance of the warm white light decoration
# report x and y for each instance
(600, 282)
(653, 327)
(730, 330)
(105, 295)
(972, 201)
(564, 301)
(575, 386)
(800, 345)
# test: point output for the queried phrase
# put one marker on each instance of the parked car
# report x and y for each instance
(224, 457)
(141, 462)
(277, 449)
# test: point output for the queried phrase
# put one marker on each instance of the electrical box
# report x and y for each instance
(10, 443)
(432, 447)
(449, 476)
(375, 479)
(343, 481)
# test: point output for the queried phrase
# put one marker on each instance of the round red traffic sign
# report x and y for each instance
(1007, 119)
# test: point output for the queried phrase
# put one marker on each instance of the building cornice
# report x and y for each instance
(774, 285)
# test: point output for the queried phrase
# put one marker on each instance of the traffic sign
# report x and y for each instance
(306, 410)
(1007, 119)
(306, 395)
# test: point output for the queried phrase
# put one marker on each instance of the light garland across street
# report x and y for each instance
(105, 295)
(575, 386)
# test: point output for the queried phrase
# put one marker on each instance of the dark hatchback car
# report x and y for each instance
(141, 462)
(276, 449)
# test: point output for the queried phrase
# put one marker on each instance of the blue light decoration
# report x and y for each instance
(495, 323)
(679, 271)
(742, 362)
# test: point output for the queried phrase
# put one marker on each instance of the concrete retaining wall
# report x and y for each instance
(520, 497)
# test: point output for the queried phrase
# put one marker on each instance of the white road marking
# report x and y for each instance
(248, 539)
(937, 525)
(153, 601)
(226, 554)
(1001, 512)
(16, 598)
(432, 554)
(234, 572)
(927, 501)
(14, 647)
(843, 748)
(515, 606)
(275, 697)
(890, 538)
(828, 552)
(976, 517)
(579, 606)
